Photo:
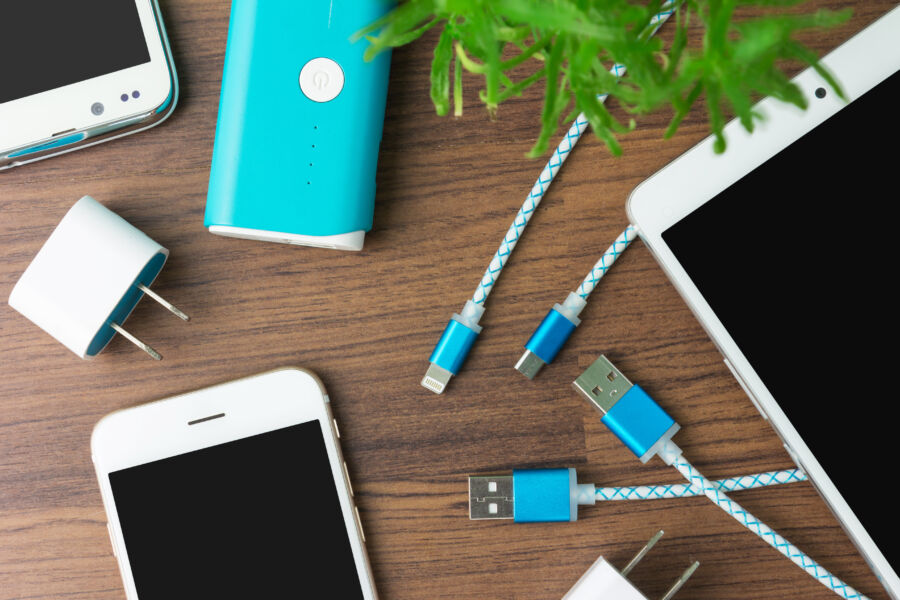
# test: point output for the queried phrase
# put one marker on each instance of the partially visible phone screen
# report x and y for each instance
(47, 44)
(257, 517)
(798, 260)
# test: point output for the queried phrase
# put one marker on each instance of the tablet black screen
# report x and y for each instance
(797, 260)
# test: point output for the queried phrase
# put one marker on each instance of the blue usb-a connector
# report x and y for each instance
(529, 496)
(647, 430)
(628, 411)
(544, 495)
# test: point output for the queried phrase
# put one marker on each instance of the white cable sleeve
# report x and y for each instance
(606, 261)
(672, 455)
(684, 490)
(515, 231)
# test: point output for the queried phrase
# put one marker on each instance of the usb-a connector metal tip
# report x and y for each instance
(490, 497)
(436, 379)
(602, 384)
(530, 364)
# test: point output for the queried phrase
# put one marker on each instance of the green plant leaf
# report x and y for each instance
(571, 44)
(440, 73)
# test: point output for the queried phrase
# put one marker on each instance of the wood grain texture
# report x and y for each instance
(366, 323)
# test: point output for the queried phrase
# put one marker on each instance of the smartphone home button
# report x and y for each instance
(321, 79)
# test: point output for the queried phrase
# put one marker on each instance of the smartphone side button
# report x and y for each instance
(794, 457)
(337, 430)
(347, 475)
(111, 540)
(362, 532)
(746, 389)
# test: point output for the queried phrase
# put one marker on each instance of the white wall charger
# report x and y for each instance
(602, 581)
(88, 277)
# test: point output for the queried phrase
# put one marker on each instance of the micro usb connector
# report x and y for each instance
(551, 335)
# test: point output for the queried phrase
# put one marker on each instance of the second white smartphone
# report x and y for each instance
(79, 73)
(235, 491)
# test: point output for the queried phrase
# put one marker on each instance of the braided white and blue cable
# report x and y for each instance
(646, 429)
(687, 490)
(553, 332)
(461, 332)
(672, 455)
(532, 201)
(515, 231)
(606, 262)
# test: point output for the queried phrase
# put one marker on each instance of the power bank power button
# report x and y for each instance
(321, 79)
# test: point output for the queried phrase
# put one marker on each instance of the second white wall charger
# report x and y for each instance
(88, 277)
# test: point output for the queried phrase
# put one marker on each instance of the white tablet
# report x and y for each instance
(783, 248)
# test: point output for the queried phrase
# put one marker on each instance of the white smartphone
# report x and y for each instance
(783, 247)
(76, 74)
(234, 491)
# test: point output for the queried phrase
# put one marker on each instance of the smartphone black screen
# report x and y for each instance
(253, 518)
(797, 260)
(47, 44)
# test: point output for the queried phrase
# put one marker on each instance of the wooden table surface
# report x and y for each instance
(366, 323)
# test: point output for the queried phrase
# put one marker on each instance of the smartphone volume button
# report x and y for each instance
(347, 476)
(359, 524)
(794, 457)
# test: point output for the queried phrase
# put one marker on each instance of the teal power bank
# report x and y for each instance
(299, 126)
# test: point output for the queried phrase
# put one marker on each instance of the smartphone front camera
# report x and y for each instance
(97, 108)
(136, 94)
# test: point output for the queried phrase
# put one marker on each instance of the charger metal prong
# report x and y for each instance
(642, 553)
(681, 581)
(168, 305)
(156, 355)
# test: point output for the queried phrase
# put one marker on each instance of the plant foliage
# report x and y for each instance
(569, 46)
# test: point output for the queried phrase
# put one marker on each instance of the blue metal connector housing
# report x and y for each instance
(529, 496)
(550, 336)
(640, 423)
(450, 353)
(628, 410)
(544, 495)
(452, 349)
